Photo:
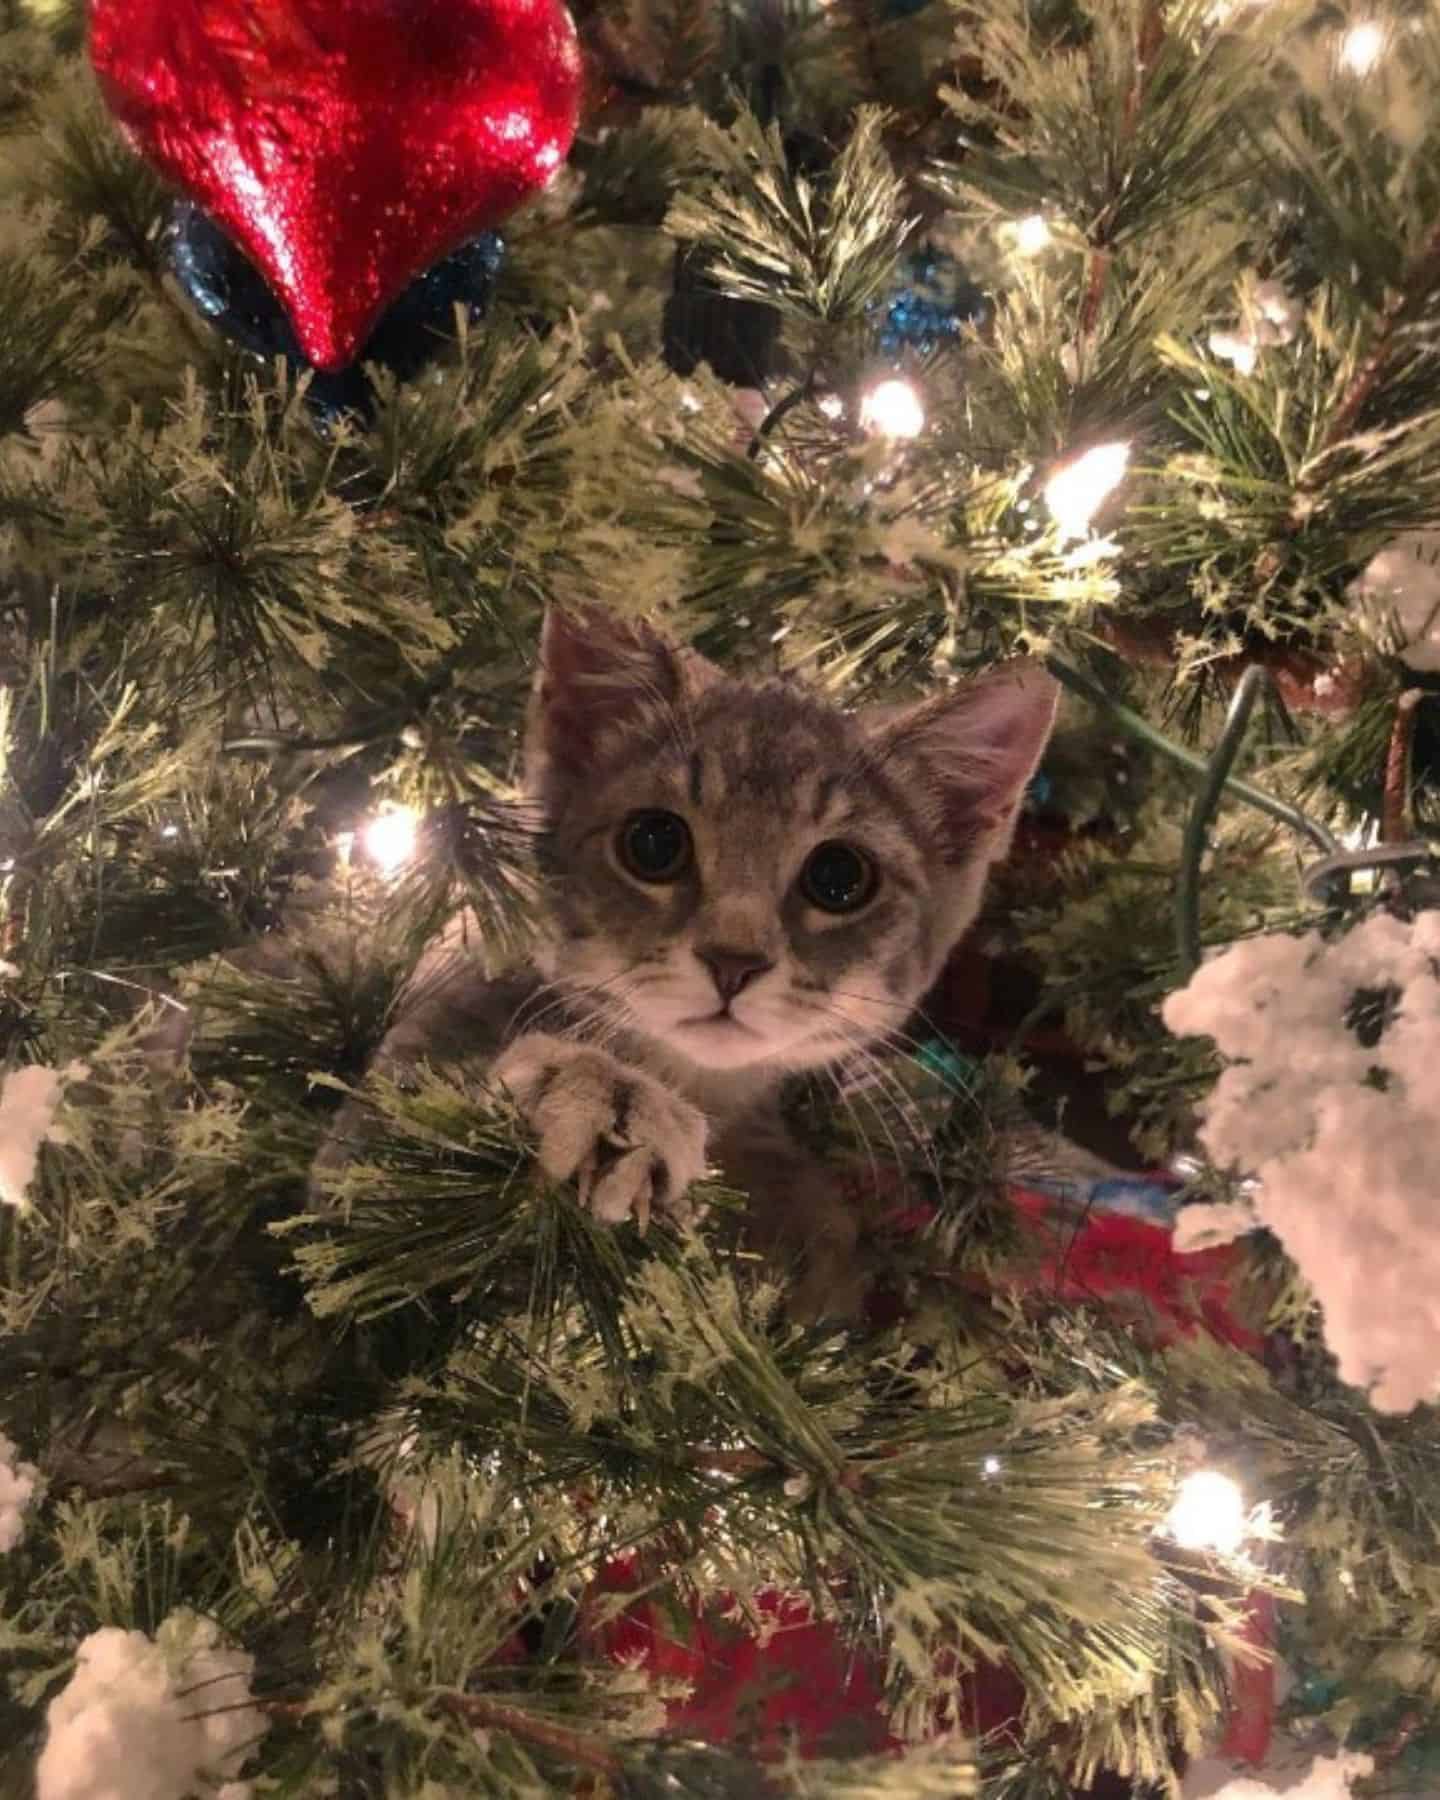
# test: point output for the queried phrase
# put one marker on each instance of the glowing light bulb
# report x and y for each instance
(391, 837)
(1208, 1514)
(831, 405)
(991, 1467)
(1362, 47)
(893, 409)
(1075, 493)
(1032, 235)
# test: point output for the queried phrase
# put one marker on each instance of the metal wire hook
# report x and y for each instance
(1216, 780)
(1320, 878)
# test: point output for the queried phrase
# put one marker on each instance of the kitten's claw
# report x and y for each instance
(628, 1144)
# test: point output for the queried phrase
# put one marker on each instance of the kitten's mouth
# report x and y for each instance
(716, 1021)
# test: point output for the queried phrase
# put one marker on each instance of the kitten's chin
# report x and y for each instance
(720, 1042)
(723, 1043)
(774, 1035)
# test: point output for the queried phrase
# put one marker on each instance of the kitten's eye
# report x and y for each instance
(838, 878)
(655, 846)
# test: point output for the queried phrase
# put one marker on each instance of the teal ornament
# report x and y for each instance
(938, 1057)
(1040, 792)
(1314, 1692)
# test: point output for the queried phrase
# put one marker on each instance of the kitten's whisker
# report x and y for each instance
(537, 1021)
(886, 1003)
(919, 1149)
(847, 1100)
(560, 989)
(603, 1025)
(567, 992)
(887, 1000)
(596, 1027)
(833, 1074)
(901, 1100)
(897, 1038)
(905, 1102)
(891, 1087)
(613, 1013)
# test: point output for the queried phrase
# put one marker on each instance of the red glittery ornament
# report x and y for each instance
(344, 145)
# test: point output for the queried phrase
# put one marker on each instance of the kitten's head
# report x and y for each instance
(746, 873)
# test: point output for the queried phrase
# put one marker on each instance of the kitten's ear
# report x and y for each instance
(600, 675)
(969, 754)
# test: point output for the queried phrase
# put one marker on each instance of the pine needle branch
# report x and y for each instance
(572, 1748)
(820, 255)
(1416, 289)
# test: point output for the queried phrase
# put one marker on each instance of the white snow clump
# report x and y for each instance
(1343, 1139)
(1271, 315)
(1324, 1778)
(1398, 592)
(28, 1098)
(18, 1484)
(166, 1718)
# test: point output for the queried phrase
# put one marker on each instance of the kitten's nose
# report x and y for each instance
(731, 970)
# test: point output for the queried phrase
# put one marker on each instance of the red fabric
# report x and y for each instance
(802, 1685)
(799, 1686)
(1252, 1690)
(1116, 1258)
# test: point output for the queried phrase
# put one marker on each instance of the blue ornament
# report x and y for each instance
(1132, 1196)
(904, 9)
(939, 1057)
(228, 290)
(934, 301)
(1314, 1692)
(1039, 793)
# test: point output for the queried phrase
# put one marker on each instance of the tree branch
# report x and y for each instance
(585, 1752)
(476, 1711)
(1420, 278)
(731, 1462)
(115, 1487)
(1395, 807)
(1098, 259)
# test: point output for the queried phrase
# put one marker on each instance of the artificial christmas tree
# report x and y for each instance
(341, 1451)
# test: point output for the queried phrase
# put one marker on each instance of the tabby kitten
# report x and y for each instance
(745, 882)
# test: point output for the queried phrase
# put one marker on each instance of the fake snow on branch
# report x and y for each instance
(1288, 1778)
(151, 1719)
(18, 1484)
(1270, 315)
(1330, 1104)
(28, 1098)
(1399, 598)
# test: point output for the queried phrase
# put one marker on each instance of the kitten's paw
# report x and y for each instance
(628, 1144)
